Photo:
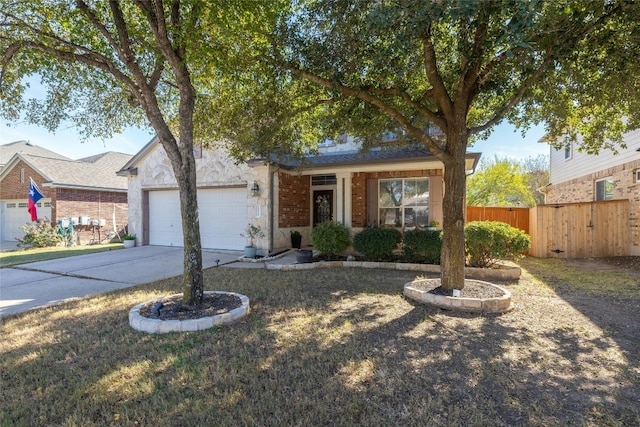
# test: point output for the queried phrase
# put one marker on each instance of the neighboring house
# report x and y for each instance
(579, 177)
(384, 187)
(82, 191)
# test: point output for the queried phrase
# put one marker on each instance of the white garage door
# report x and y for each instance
(13, 215)
(223, 216)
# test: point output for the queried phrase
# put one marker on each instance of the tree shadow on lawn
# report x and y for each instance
(337, 347)
(613, 308)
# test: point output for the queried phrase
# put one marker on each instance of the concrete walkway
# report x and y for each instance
(45, 283)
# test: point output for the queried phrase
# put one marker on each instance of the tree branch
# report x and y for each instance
(363, 95)
(431, 67)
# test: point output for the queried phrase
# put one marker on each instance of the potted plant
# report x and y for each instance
(251, 232)
(433, 225)
(296, 239)
(129, 240)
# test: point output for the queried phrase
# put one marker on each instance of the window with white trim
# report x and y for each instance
(568, 148)
(638, 175)
(604, 189)
(403, 202)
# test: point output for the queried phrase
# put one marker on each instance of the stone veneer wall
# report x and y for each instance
(214, 169)
(359, 189)
(582, 189)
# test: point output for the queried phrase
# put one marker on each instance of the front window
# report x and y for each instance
(403, 202)
(604, 189)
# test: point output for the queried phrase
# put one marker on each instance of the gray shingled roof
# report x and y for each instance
(375, 155)
(95, 172)
(7, 151)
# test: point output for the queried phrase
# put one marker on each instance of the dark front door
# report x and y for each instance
(322, 206)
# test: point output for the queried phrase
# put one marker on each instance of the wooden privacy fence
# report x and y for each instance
(515, 217)
(580, 230)
(570, 230)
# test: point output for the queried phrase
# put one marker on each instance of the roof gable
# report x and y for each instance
(7, 151)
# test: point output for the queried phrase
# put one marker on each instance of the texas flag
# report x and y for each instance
(34, 196)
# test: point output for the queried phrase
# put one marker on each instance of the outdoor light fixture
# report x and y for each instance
(255, 188)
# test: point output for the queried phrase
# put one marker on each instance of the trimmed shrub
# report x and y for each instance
(422, 246)
(490, 241)
(377, 244)
(40, 235)
(330, 238)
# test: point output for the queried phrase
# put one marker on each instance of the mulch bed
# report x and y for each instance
(472, 289)
(173, 309)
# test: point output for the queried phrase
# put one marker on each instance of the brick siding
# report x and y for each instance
(94, 204)
(582, 189)
(11, 187)
(294, 200)
(67, 203)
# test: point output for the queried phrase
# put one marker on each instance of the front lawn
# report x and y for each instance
(331, 347)
(25, 256)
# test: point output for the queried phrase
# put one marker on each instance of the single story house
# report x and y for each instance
(400, 188)
(86, 192)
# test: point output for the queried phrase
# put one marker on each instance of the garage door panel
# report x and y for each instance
(223, 216)
(14, 214)
(165, 225)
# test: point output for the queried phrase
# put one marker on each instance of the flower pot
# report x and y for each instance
(129, 243)
(304, 256)
(250, 251)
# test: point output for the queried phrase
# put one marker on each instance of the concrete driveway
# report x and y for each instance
(49, 282)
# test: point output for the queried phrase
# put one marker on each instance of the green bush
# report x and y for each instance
(330, 238)
(377, 244)
(489, 241)
(422, 246)
(40, 235)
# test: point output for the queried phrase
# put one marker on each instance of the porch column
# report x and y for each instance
(343, 202)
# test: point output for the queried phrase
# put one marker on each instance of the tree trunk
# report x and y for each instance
(453, 253)
(192, 279)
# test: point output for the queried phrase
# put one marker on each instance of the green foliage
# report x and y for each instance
(40, 235)
(500, 182)
(377, 244)
(422, 246)
(129, 237)
(330, 238)
(252, 232)
(491, 241)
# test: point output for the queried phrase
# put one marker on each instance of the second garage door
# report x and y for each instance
(223, 216)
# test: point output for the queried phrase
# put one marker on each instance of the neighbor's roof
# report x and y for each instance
(92, 173)
(7, 151)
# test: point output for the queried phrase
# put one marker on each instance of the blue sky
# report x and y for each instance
(504, 142)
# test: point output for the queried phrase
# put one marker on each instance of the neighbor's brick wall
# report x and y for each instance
(582, 189)
(94, 204)
(12, 188)
(294, 200)
(359, 189)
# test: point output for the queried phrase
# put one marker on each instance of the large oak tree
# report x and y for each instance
(109, 64)
(368, 66)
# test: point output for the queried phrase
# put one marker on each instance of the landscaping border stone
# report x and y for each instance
(496, 305)
(159, 326)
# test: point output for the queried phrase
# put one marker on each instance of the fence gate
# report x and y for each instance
(580, 230)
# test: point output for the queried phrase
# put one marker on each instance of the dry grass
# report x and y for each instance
(330, 347)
